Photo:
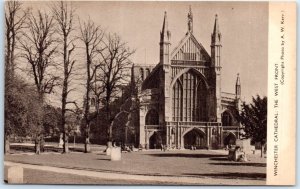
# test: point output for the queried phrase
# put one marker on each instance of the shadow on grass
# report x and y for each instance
(237, 175)
(184, 155)
(223, 158)
(242, 164)
(103, 159)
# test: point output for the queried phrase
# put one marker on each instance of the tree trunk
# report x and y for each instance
(6, 145)
(87, 147)
(65, 143)
(109, 129)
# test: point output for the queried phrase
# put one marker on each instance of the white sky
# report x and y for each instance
(244, 28)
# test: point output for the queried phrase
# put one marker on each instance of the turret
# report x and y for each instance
(165, 110)
(216, 45)
(164, 44)
(216, 65)
(238, 87)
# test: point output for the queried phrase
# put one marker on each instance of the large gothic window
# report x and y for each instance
(177, 101)
(226, 119)
(152, 117)
(189, 98)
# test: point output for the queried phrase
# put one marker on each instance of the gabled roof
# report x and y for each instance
(199, 46)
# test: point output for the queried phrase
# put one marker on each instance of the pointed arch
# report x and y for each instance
(230, 139)
(177, 101)
(194, 137)
(227, 118)
(147, 72)
(152, 117)
(189, 129)
(189, 97)
(155, 140)
(179, 74)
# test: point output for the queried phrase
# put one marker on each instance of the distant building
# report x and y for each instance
(181, 103)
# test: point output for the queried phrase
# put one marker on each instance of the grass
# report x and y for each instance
(199, 163)
(32, 176)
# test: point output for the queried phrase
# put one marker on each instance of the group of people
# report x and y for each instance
(127, 148)
(193, 147)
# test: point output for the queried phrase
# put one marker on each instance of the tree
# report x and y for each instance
(24, 112)
(254, 117)
(64, 15)
(114, 72)
(14, 23)
(38, 49)
(51, 120)
(91, 36)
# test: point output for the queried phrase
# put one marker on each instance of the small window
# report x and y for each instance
(147, 72)
(142, 74)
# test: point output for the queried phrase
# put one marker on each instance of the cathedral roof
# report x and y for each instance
(190, 40)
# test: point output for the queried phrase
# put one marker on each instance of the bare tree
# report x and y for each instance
(114, 72)
(38, 48)
(91, 35)
(14, 23)
(64, 15)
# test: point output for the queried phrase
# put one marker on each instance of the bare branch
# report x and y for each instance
(39, 49)
(64, 16)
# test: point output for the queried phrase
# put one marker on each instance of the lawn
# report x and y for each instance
(199, 163)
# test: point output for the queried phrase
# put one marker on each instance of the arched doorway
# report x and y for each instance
(195, 138)
(230, 139)
(155, 141)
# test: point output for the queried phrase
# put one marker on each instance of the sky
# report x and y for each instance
(244, 28)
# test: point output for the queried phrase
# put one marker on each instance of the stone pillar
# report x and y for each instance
(146, 141)
(142, 128)
(208, 133)
(168, 136)
(220, 137)
(15, 175)
(115, 154)
(177, 136)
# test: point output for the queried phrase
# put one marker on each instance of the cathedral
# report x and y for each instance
(181, 104)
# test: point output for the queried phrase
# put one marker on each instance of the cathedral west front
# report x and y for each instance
(181, 103)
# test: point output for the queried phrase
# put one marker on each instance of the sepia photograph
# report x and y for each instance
(136, 93)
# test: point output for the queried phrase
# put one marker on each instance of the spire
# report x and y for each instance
(165, 33)
(238, 86)
(164, 43)
(216, 35)
(216, 27)
(238, 82)
(190, 20)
